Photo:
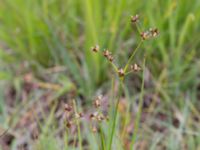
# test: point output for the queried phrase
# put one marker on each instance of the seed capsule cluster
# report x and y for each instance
(121, 72)
(95, 48)
(135, 18)
(71, 115)
(149, 34)
(98, 101)
(108, 55)
(135, 68)
(145, 35)
(97, 116)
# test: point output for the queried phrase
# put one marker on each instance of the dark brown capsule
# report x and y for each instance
(145, 35)
(154, 32)
(69, 124)
(135, 18)
(110, 58)
(106, 53)
(95, 48)
(67, 107)
(121, 72)
(135, 68)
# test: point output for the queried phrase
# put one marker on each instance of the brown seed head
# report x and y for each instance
(110, 58)
(154, 32)
(67, 107)
(97, 102)
(135, 18)
(95, 48)
(121, 72)
(135, 68)
(69, 124)
(145, 35)
(106, 53)
(78, 115)
(92, 116)
(100, 117)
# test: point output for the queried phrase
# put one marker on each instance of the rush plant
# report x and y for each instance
(120, 75)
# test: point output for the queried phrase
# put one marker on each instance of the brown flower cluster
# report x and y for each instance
(71, 115)
(146, 34)
(149, 34)
(135, 18)
(97, 116)
(95, 48)
(152, 32)
(135, 68)
(121, 72)
(106, 53)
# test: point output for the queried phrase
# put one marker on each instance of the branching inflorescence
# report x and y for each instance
(145, 35)
(73, 116)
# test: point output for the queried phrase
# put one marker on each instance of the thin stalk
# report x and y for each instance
(115, 116)
(138, 28)
(138, 115)
(127, 73)
(66, 139)
(103, 146)
(94, 138)
(78, 126)
(127, 114)
(132, 56)
(101, 133)
(114, 66)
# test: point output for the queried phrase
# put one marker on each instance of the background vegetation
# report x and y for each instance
(45, 51)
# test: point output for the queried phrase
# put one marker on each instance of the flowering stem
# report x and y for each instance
(132, 56)
(114, 66)
(78, 126)
(115, 115)
(138, 115)
(103, 147)
(138, 28)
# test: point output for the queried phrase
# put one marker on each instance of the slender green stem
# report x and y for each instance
(114, 66)
(115, 116)
(66, 139)
(138, 115)
(78, 126)
(127, 73)
(127, 114)
(103, 146)
(138, 28)
(132, 56)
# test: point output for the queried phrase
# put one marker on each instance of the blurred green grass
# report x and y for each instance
(52, 33)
